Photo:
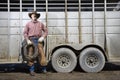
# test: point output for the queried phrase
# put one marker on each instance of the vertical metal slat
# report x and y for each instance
(34, 5)
(66, 23)
(105, 28)
(9, 56)
(93, 20)
(79, 22)
(46, 45)
(20, 29)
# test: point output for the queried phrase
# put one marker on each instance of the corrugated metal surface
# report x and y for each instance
(62, 25)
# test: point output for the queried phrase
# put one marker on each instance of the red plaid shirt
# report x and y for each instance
(35, 28)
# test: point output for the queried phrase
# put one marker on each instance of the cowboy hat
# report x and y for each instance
(34, 12)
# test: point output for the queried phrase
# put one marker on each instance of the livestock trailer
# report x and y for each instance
(83, 31)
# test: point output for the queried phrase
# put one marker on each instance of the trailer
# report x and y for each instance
(79, 31)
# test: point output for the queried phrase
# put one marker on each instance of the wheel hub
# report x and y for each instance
(92, 60)
(63, 61)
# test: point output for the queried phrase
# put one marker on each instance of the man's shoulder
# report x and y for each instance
(39, 21)
(29, 22)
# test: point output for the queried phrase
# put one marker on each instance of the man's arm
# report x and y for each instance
(41, 39)
(45, 31)
(25, 33)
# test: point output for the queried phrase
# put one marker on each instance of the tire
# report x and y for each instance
(64, 60)
(26, 57)
(91, 60)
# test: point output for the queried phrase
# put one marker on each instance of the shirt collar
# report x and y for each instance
(34, 21)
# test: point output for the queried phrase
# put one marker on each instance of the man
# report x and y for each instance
(34, 33)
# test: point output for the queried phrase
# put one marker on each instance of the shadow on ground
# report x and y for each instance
(107, 67)
(24, 68)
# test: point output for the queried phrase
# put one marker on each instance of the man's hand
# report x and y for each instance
(41, 39)
(29, 42)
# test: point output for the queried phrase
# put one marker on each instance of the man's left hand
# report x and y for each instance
(41, 39)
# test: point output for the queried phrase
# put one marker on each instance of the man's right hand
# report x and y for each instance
(29, 42)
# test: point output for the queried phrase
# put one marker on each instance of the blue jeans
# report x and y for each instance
(32, 68)
(34, 40)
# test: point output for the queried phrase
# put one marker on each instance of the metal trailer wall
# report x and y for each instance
(77, 28)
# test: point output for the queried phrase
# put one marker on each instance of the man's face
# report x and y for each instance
(33, 16)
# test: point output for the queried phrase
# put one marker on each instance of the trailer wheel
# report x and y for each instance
(91, 60)
(64, 60)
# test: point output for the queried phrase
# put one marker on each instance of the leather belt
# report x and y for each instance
(34, 36)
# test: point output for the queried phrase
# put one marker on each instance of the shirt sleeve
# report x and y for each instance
(25, 33)
(44, 28)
